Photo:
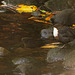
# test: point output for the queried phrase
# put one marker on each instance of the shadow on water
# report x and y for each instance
(21, 41)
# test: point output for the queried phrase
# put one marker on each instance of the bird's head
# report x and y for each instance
(46, 33)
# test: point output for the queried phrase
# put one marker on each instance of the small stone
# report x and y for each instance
(4, 52)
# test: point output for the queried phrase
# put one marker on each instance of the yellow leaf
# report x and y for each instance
(49, 17)
(49, 46)
(26, 8)
(73, 25)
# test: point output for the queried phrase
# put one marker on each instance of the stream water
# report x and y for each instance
(15, 27)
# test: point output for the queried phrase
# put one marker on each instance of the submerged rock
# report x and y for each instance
(30, 42)
(19, 50)
(4, 52)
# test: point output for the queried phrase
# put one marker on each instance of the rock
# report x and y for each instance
(18, 61)
(55, 5)
(58, 54)
(26, 66)
(27, 2)
(68, 72)
(27, 69)
(4, 52)
(19, 50)
(69, 62)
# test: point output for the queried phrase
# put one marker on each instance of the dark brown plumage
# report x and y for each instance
(65, 33)
(65, 17)
(63, 21)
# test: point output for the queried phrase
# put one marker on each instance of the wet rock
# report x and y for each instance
(68, 72)
(25, 66)
(59, 5)
(27, 2)
(58, 54)
(19, 50)
(27, 69)
(19, 60)
(4, 52)
(69, 62)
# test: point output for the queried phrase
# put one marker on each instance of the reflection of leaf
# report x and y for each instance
(37, 19)
(49, 46)
(42, 21)
(7, 29)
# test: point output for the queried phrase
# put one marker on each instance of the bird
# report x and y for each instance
(62, 23)
(64, 34)
(60, 33)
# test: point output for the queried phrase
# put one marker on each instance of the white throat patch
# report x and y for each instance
(55, 32)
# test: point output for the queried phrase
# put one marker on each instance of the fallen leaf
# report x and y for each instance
(49, 46)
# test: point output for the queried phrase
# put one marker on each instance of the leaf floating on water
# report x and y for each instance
(73, 26)
(49, 46)
(26, 8)
(49, 17)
